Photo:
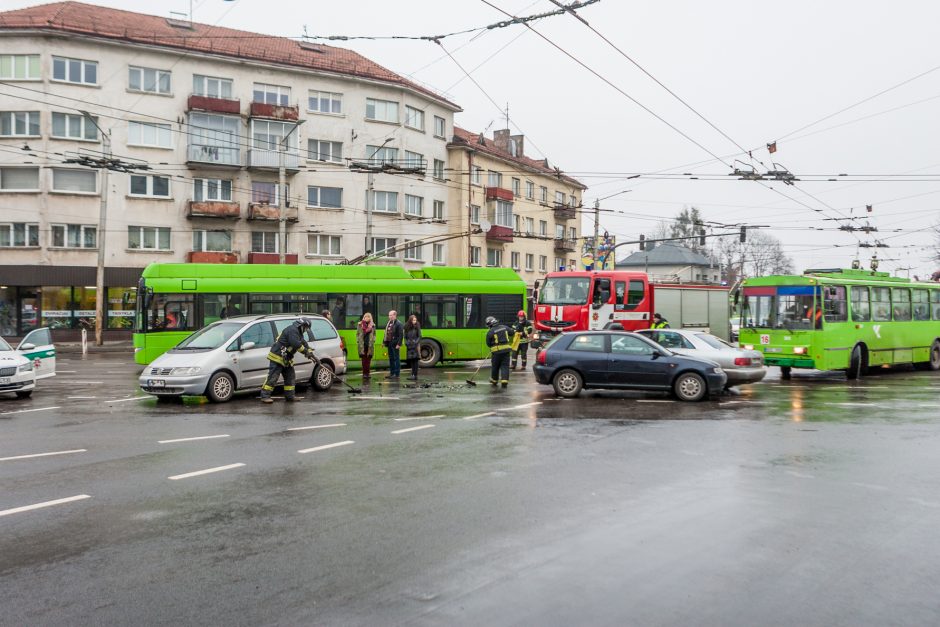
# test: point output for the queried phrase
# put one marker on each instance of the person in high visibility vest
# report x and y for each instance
(522, 331)
(659, 322)
(498, 339)
(289, 341)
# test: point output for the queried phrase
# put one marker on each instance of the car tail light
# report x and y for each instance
(342, 343)
(540, 358)
(742, 361)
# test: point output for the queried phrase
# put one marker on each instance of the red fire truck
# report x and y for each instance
(579, 301)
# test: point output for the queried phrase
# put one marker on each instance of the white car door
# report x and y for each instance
(37, 346)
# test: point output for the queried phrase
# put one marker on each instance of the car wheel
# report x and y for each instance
(690, 387)
(322, 378)
(429, 353)
(567, 383)
(221, 387)
(24, 394)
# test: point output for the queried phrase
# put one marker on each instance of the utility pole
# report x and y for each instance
(370, 202)
(282, 195)
(102, 238)
(597, 231)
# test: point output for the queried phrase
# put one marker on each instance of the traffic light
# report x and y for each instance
(642, 242)
(743, 236)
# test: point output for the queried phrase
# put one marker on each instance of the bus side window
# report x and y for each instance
(880, 304)
(835, 310)
(902, 303)
(921, 305)
(935, 303)
(861, 307)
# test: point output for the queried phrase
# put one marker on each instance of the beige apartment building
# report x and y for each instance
(212, 113)
(520, 212)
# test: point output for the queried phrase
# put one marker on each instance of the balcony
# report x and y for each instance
(214, 209)
(499, 193)
(564, 211)
(564, 245)
(215, 105)
(263, 159)
(214, 155)
(274, 112)
(499, 234)
(200, 256)
(274, 258)
(264, 211)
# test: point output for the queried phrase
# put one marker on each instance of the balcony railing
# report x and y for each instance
(264, 211)
(274, 258)
(499, 233)
(565, 211)
(216, 105)
(270, 159)
(499, 193)
(273, 111)
(205, 256)
(563, 244)
(214, 209)
(215, 155)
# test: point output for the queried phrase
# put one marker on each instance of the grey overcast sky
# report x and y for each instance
(757, 71)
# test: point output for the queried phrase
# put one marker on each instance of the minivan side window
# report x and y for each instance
(321, 329)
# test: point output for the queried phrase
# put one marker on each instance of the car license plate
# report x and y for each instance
(156, 383)
(4, 380)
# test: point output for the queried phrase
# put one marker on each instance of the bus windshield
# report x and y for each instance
(212, 336)
(788, 308)
(565, 291)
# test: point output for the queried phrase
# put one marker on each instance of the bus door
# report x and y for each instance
(602, 303)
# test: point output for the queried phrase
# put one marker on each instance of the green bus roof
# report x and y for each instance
(834, 276)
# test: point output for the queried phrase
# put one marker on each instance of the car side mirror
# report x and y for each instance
(27, 347)
(658, 353)
(246, 346)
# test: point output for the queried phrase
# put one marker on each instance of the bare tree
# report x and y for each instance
(762, 254)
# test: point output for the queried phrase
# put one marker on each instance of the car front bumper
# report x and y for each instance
(194, 385)
(18, 382)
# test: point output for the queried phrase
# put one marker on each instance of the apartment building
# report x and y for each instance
(519, 212)
(200, 120)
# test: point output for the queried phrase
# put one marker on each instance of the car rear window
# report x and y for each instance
(712, 341)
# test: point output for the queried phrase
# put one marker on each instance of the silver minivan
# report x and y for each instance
(231, 356)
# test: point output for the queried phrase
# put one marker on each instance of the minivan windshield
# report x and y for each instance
(212, 336)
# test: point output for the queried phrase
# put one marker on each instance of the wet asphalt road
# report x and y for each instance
(810, 502)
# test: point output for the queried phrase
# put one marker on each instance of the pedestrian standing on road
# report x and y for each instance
(659, 322)
(394, 334)
(281, 357)
(365, 344)
(412, 339)
(522, 329)
(497, 338)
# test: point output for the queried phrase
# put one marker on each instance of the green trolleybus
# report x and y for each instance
(451, 303)
(837, 319)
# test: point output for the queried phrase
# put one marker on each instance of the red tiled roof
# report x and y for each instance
(466, 139)
(87, 19)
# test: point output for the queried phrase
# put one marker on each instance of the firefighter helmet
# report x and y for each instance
(491, 321)
(521, 314)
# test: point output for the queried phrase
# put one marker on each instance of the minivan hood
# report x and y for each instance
(182, 359)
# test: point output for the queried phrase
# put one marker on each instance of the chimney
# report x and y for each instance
(501, 139)
(510, 144)
(519, 141)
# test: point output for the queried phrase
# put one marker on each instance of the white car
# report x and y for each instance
(33, 359)
(741, 366)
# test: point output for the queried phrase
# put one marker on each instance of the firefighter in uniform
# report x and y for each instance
(497, 338)
(522, 331)
(289, 341)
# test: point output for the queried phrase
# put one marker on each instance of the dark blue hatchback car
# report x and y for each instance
(620, 360)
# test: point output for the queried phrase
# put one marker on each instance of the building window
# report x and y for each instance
(438, 253)
(559, 264)
(324, 102)
(212, 241)
(383, 245)
(325, 245)
(474, 214)
(212, 190)
(212, 87)
(323, 150)
(438, 210)
(381, 110)
(543, 228)
(439, 169)
(385, 202)
(529, 262)
(476, 176)
(148, 134)
(474, 255)
(572, 201)
(19, 179)
(494, 179)
(74, 181)
(74, 126)
(529, 190)
(264, 242)
(572, 233)
(530, 226)
(19, 123)
(494, 257)
(265, 193)
(75, 71)
(414, 160)
(326, 197)
(516, 187)
(382, 154)
(214, 138)
(440, 127)
(412, 252)
(148, 237)
(543, 263)
(271, 94)
(19, 67)
(269, 135)
(414, 205)
(514, 260)
(74, 236)
(543, 194)
(19, 235)
(559, 198)
(503, 215)
(414, 118)
(517, 227)
(148, 80)
(150, 186)
(559, 231)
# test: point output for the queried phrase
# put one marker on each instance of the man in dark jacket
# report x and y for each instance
(289, 341)
(523, 328)
(394, 335)
(499, 341)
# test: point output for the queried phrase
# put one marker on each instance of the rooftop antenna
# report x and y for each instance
(507, 115)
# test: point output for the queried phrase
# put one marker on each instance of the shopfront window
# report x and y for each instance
(57, 307)
(122, 301)
(7, 311)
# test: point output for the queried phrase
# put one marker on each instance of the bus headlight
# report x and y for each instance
(179, 372)
(799, 350)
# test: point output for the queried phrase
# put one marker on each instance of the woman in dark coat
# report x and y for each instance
(412, 339)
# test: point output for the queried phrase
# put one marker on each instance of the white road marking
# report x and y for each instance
(870, 486)
(26, 411)
(133, 398)
(651, 400)
(526, 405)
(81, 398)
(643, 441)
(325, 446)
(419, 418)
(799, 474)
(205, 472)
(853, 404)
(911, 499)
(66, 371)
(26, 508)
(418, 428)
(85, 382)
(377, 398)
(78, 450)
(338, 424)
(201, 437)
(489, 413)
